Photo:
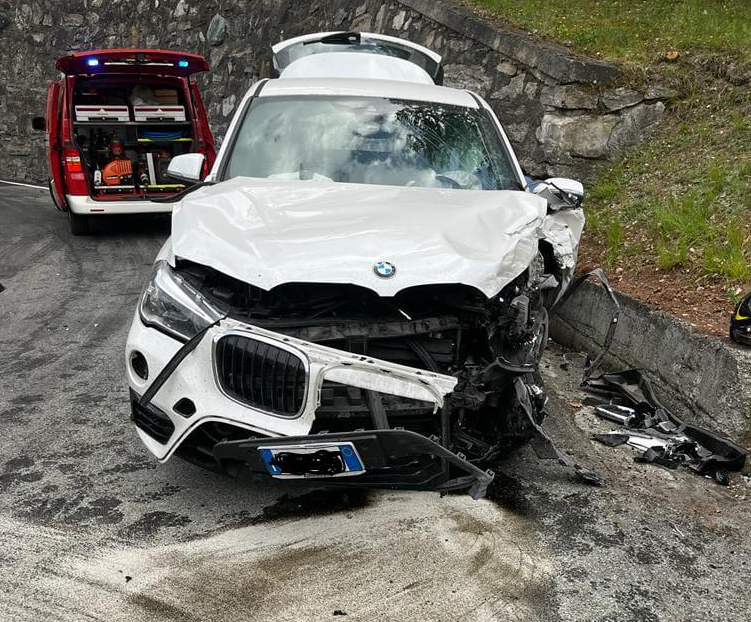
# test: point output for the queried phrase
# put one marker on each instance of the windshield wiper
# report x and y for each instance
(337, 38)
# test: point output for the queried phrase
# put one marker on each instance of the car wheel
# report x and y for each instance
(79, 225)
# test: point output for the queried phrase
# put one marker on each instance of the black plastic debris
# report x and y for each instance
(543, 445)
(663, 438)
(611, 440)
(592, 365)
(722, 477)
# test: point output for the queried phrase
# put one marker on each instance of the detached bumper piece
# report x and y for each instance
(662, 437)
(394, 459)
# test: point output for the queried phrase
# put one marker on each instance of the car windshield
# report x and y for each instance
(371, 141)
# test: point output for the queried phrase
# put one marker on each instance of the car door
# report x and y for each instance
(55, 93)
(291, 50)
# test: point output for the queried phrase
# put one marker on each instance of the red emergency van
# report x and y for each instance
(114, 120)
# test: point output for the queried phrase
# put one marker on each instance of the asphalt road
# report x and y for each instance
(91, 528)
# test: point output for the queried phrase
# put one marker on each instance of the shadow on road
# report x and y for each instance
(126, 226)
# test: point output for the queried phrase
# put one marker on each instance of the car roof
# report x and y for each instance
(390, 89)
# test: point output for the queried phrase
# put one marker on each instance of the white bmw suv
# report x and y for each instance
(357, 293)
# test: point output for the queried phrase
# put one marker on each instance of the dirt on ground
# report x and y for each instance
(704, 304)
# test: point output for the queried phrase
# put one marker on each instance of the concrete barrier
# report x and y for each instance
(705, 380)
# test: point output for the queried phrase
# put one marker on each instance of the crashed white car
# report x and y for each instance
(358, 292)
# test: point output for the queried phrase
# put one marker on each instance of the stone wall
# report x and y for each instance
(563, 113)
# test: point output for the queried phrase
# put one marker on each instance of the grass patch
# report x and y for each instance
(728, 255)
(683, 198)
(633, 31)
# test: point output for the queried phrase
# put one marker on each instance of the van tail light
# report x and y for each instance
(72, 160)
(75, 179)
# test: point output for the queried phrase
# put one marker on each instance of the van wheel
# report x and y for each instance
(79, 225)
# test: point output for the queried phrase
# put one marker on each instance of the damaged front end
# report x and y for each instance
(422, 390)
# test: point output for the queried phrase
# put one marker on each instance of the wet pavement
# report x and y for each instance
(91, 528)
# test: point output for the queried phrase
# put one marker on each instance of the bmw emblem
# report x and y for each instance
(384, 269)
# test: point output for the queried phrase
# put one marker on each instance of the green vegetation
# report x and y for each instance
(682, 199)
(633, 31)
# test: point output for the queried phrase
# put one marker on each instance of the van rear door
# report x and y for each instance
(132, 61)
(291, 50)
(52, 128)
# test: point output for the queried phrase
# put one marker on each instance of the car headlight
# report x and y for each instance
(173, 306)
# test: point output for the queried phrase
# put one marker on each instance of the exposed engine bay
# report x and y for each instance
(491, 346)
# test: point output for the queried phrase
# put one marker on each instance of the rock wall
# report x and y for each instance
(563, 113)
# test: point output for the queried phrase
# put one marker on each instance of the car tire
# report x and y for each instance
(79, 225)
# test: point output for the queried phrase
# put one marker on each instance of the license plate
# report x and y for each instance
(343, 456)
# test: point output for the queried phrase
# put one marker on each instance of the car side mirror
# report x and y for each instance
(574, 189)
(186, 167)
(37, 123)
(560, 193)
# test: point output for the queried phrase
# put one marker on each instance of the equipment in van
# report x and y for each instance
(143, 95)
(166, 97)
(158, 163)
(102, 113)
(161, 135)
(118, 173)
(117, 149)
(159, 113)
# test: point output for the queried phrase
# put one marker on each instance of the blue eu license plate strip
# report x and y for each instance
(351, 459)
(353, 464)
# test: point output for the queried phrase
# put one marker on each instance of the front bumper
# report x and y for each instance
(162, 427)
(395, 459)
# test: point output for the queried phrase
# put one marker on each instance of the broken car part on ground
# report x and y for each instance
(663, 438)
(359, 292)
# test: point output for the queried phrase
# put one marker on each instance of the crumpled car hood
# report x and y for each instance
(270, 232)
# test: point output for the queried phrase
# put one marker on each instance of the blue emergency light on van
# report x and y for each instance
(182, 63)
(92, 62)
